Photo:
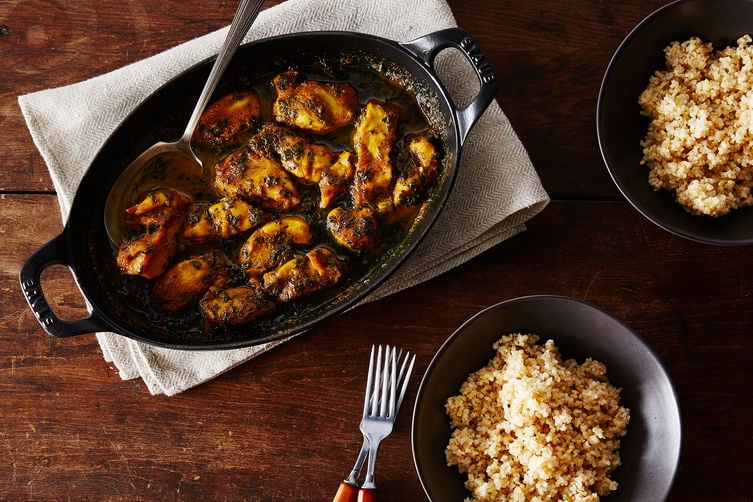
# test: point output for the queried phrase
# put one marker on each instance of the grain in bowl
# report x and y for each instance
(699, 143)
(530, 426)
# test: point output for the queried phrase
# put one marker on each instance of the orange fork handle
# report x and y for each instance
(346, 493)
(367, 495)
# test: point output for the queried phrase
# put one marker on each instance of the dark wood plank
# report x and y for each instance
(285, 426)
(550, 58)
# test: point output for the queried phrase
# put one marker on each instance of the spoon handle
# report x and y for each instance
(244, 17)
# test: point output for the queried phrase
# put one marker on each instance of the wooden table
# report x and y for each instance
(285, 426)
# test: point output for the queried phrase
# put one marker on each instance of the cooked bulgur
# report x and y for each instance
(699, 142)
(531, 427)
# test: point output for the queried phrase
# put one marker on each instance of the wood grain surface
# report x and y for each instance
(285, 426)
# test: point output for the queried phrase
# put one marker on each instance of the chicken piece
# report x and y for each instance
(304, 274)
(420, 173)
(199, 227)
(335, 180)
(150, 254)
(156, 209)
(373, 141)
(273, 244)
(246, 174)
(186, 281)
(232, 216)
(226, 121)
(236, 306)
(161, 214)
(225, 219)
(298, 155)
(314, 106)
(303, 159)
(356, 229)
(265, 142)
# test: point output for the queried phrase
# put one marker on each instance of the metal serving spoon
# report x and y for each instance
(181, 149)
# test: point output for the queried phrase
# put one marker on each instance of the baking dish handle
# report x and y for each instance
(427, 47)
(52, 253)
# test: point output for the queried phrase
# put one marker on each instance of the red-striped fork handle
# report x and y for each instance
(346, 493)
(367, 495)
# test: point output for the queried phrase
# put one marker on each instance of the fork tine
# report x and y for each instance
(385, 383)
(369, 381)
(393, 384)
(407, 375)
(401, 374)
(378, 377)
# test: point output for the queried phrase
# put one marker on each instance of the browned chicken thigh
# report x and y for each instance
(222, 220)
(226, 121)
(297, 154)
(247, 174)
(149, 255)
(237, 305)
(303, 159)
(373, 141)
(156, 209)
(357, 229)
(310, 105)
(418, 174)
(273, 244)
(160, 214)
(187, 280)
(335, 180)
(304, 274)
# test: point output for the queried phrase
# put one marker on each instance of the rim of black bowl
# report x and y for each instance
(674, 228)
(599, 313)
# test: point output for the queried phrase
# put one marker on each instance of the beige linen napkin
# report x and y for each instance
(497, 189)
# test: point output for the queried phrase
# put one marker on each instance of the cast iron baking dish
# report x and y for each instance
(84, 247)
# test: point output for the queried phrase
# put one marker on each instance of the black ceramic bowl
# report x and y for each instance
(649, 451)
(621, 127)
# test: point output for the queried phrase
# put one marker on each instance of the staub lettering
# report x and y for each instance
(37, 302)
(476, 57)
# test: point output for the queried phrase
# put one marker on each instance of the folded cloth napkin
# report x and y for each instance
(496, 191)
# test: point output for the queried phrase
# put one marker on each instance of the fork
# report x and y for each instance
(348, 489)
(379, 411)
